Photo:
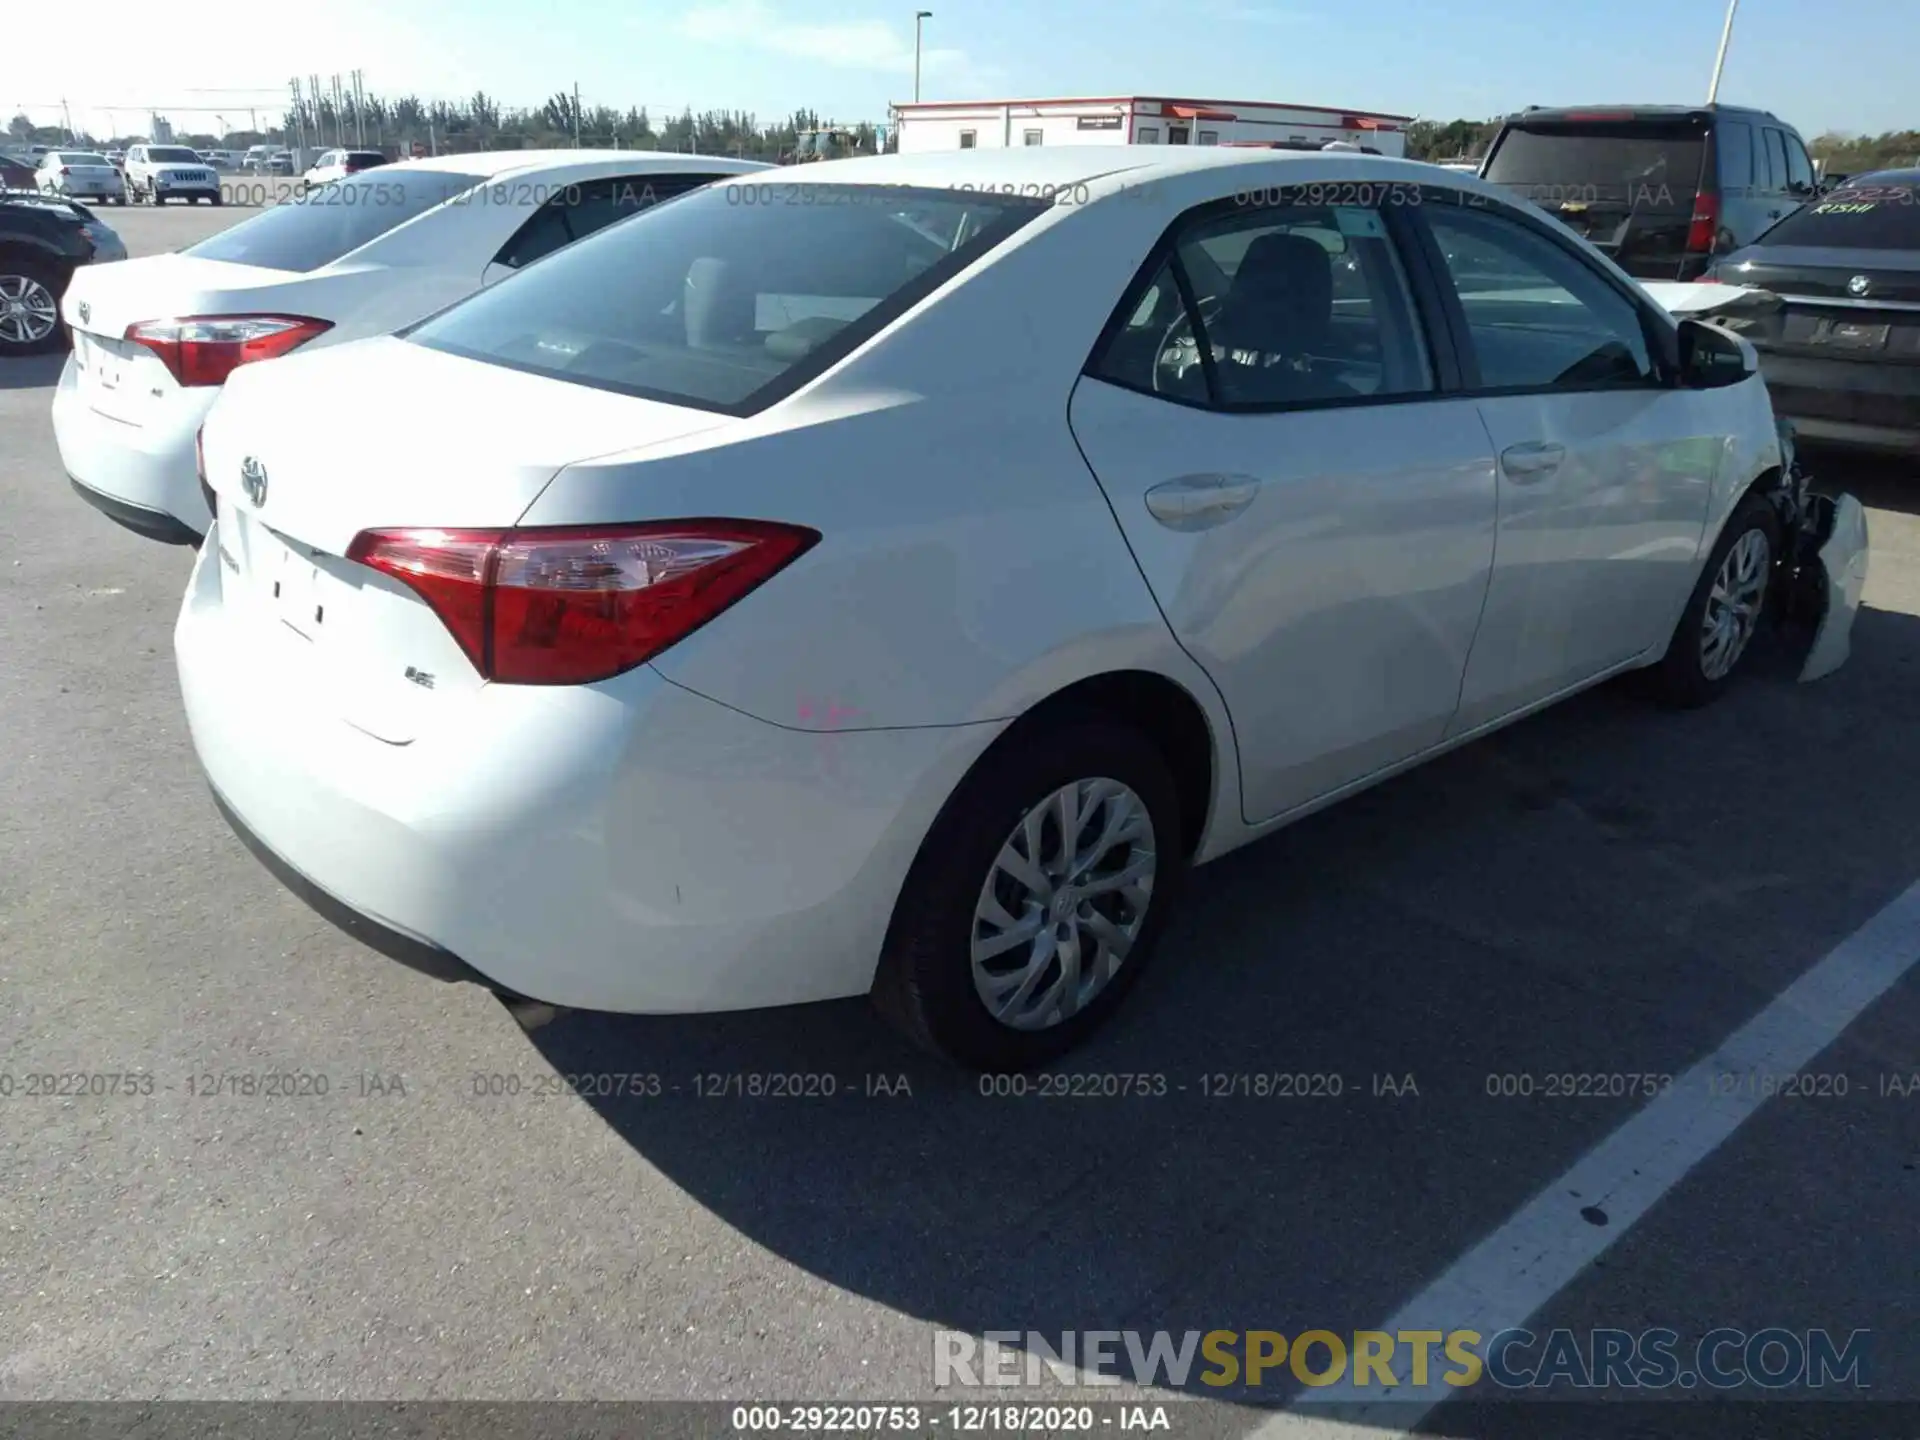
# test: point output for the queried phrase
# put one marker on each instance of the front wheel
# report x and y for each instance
(1038, 896)
(1725, 610)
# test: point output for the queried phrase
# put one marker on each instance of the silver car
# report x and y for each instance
(80, 175)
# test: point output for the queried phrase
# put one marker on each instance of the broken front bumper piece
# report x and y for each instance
(1840, 566)
(1825, 567)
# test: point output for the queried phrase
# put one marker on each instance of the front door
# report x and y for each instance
(1315, 520)
(1179, 134)
(1605, 467)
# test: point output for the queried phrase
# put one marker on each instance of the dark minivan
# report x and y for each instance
(1662, 189)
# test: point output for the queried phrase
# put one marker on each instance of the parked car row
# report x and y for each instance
(895, 584)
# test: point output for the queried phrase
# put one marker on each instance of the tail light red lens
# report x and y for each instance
(205, 349)
(572, 605)
(65, 170)
(1705, 223)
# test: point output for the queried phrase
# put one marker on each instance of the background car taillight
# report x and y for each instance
(572, 605)
(205, 349)
(1705, 223)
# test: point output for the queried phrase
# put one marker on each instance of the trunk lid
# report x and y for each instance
(1838, 304)
(430, 439)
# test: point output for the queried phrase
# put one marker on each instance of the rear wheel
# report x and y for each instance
(1724, 613)
(29, 313)
(1037, 898)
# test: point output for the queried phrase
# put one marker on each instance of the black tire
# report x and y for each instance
(53, 281)
(925, 984)
(1680, 680)
(216, 199)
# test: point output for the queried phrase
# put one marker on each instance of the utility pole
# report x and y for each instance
(576, 114)
(918, 16)
(68, 115)
(1720, 60)
(299, 116)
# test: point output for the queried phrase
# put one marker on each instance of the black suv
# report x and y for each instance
(42, 241)
(1662, 189)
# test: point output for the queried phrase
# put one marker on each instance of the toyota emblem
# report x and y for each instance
(253, 479)
(86, 312)
(1856, 287)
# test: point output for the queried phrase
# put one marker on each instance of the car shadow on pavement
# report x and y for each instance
(1297, 1119)
(1881, 482)
(31, 372)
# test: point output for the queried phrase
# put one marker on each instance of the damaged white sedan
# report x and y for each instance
(892, 581)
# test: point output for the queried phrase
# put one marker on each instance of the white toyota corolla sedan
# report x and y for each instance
(892, 577)
(154, 339)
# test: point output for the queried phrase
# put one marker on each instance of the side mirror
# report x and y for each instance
(1711, 357)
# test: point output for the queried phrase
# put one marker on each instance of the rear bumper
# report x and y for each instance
(1864, 404)
(629, 846)
(153, 524)
(133, 471)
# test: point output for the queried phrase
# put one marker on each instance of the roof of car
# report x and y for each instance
(501, 162)
(1651, 112)
(1038, 167)
(1905, 176)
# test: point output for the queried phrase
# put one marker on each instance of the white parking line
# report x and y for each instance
(1517, 1269)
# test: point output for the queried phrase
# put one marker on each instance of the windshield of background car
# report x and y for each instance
(172, 155)
(319, 227)
(733, 295)
(1650, 165)
(365, 157)
(1861, 215)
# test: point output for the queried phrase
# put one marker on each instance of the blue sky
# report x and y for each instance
(1842, 64)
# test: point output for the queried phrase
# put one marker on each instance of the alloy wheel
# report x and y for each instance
(1734, 603)
(27, 310)
(1063, 904)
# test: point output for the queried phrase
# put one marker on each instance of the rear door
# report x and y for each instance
(1625, 182)
(1314, 514)
(1605, 467)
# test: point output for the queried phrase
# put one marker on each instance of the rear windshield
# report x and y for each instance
(1855, 217)
(76, 157)
(1649, 166)
(326, 223)
(727, 298)
(365, 157)
(172, 155)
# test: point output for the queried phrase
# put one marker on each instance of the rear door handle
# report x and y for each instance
(1199, 502)
(1535, 460)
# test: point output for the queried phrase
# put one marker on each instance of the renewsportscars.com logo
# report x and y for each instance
(1368, 1360)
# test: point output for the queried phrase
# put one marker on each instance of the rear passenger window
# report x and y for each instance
(1538, 318)
(1296, 305)
(1735, 142)
(1776, 160)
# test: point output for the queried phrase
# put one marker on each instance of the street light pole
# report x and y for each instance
(918, 16)
(1720, 60)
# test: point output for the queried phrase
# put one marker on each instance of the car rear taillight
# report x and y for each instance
(575, 604)
(205, 349)
(1705, 223)
(66, 170)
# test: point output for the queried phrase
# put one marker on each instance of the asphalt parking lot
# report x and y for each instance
(1604, 890)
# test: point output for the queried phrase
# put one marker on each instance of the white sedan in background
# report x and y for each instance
(893, 585)
(80, 175)
(155, 338)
